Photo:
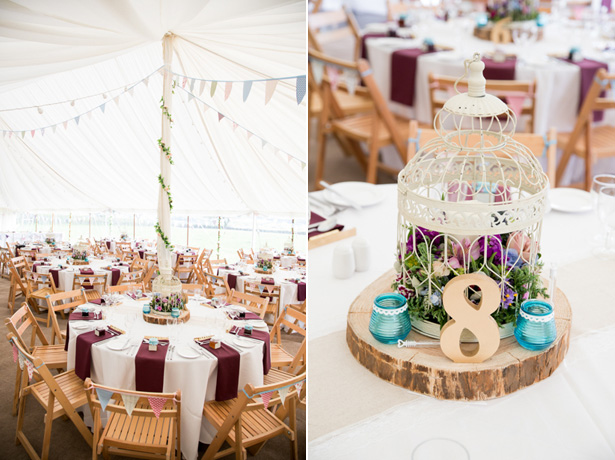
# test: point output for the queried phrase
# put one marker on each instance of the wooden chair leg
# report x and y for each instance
(321, 140)
(292, 423)
(589, 160)
(48, 425)
(238, 440)
(17, 391)
(372, 162)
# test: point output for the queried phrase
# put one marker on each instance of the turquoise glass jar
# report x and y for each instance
(535, 328)
(390, 319)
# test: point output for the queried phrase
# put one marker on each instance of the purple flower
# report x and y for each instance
(420, 235)
(508, 295)
(493, 247)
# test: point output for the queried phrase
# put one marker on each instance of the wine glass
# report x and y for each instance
(606, 214)
(172, 329)
(440, 449)
(599, 181)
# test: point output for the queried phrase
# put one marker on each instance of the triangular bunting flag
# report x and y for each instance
(234, 126)
(192, 82)
(15, 353)
(4, 133)
(117, 100)
(263, 143)
(32, 132)
(227, 89)
(269, 289)
(318, 69)
(102, 108)
(30, 368)
(130, 90)
(10, 134)
(42, 131)
(23, 134)
(249, 134)
(334, 76)
(53, 129)
(21, 359)
(184, 81)
(288, 158)
(157, 404)
(261, 288)
(269, 89)
(247, 86)
(190, 97)
(104, 396)
(130, 401)
(302, 166)
(212, 91)
(65, 124)
(202, 87)
(77, 119)
(352, 80)
(146, 81)
(300, 88)
(220, 117)
(298, 386)
(89, 115)
(283, 392)
(266, 397)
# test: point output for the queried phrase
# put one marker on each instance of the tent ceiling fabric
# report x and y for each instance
(77, 50)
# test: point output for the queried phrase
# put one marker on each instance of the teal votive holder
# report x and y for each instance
(175, 312)
(535, 329)
(390, 320)
(146, 309)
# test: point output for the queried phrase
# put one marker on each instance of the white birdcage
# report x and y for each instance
(472, 199)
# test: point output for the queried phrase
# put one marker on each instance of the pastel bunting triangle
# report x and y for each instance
(300, 88)
(192, 82)
(261, 288)
(266, 397)
(269, 289)
(201, 87)
(247, 86)
(220, 116)
(298, 386)
(104, 396)
(157, 404)
(214, 84)
(283, 392)
(227, 89)
(318, 69)
(30, 368)
(184, 81)
(21, 360)
(334, 76)
(130, 401)
(270, 86)
(352, 79)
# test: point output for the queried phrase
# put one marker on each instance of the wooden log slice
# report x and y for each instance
(428, 371)
(154, 318)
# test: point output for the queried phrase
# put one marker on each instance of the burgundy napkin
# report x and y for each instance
(149, 367)
(301, 259)
(83, 351)
(97, 301)
(56, 277)
(403, 74)
(228, 370)
(249, 315)
(87, 271)
(276, 257)
(499, 70)
(315, 219)
(260, 335)
(267, 281)
(77, 316)
(231, 279)
(142, 254)
(365, 37)
(588, 69)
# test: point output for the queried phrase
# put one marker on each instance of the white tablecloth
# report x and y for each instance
(196, 378)
(26, 237)
(354, 414)
(66, 276)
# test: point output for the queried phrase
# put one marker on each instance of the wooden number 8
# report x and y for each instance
(476, 318)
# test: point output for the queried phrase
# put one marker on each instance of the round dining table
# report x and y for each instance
(186, 367)
(570, 414)
(65, 273)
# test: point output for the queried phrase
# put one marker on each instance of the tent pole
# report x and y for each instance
(253, 230)
(70, 224)
(188, 230)
(218, 251)
(164, 210)
(292, 232)
(134, 226)
(90, 227)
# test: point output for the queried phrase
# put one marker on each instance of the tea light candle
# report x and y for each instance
(248, 329)
(481, 21)
(99, 331)
(153, 344)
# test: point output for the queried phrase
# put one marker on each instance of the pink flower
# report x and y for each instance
(522, 243)
(465, 252)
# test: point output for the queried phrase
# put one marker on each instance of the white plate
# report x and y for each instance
(570, 200)
(362, 193)
(79, 325)
(244, 342)
(118, 344)
(187, 353)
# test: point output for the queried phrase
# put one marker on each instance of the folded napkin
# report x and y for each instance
(315, 219)
(231, 279)
(87, 271)
(83, 350)
(259, 335)
(227, 381)
(97, 301)
(249, 316)
(134, 296)
(267, 281)
(149, 367)
(276, 257)
(499, 70)
(77, 316)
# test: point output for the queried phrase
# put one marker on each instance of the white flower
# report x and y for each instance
(440, 269)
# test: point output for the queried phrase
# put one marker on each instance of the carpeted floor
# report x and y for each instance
(66, 442)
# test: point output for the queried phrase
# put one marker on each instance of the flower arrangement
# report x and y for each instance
(504, 258)
(164, 304)
(124, 237)
(50, 241)
(264, 264)
(517, 10)
(80, 255)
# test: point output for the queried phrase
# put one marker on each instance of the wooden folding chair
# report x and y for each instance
(60, 396)
(149, 275)
(246, 423)
(121, 246)
(94, 286)
(121, 288)
(139, 433)
(185, 266)
(377, 128)
(280, 358)
(277, 375)
(53, 355)
(5, 255)
(254, 303)
(271, 292)
(58, 303)
(200, 267)
(19, 285)
(129, 255)
(29, 254)
(62, 253)
(587, 141)
(131, 277)
(334, 32)
(39, 285)
(213, 265)
(193, 289)
(215, 286)
(139, 264)
(441, 88)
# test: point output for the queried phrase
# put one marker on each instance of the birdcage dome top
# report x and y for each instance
(473, 178)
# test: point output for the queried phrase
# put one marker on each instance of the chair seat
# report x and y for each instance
(54, 356)
(71, 385)
(602, 142)
(137, 432)
(42, 293)
(279, 356)
(92, 294)
(359, 127)
(275, 376)
(256, 425)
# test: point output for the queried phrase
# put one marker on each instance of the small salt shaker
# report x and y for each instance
(343, 262)
(360, 247)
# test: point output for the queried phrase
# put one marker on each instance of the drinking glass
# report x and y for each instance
(606, 214)
(440, 449)
(599, 181)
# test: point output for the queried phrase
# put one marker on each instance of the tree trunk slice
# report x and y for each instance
(428, 371)
(184, 316)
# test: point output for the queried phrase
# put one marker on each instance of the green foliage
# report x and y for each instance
(166, 150)
(163, 237)
(166, 188)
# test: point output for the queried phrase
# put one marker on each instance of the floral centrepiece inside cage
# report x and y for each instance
(471, 200)
(167, 295)
(264, 261)
(80, 253)
(289, 248)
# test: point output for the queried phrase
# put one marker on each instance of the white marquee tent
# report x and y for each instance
(80, 118)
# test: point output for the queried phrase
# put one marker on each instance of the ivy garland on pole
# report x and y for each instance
(166, 150)
(165, 188)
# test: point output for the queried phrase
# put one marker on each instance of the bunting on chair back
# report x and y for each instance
(318, 69)
(157, 404)
(334, 76)
(283, 392)
(261, 288)
(298, 386)
(266, 397)
(15, 352)
(104, 396)
(21, 360)
(130, 401)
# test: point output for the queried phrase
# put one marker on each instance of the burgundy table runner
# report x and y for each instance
(589, 68)
(83, 351)
(228, 370)
(365, 37)
(249, 316)
(403, 74)
(231, 279)
(77, 316)
(86, 271)
(301, 288)
(149, 367)
(315, 219)
(36, 264)
(55, 275)
(259, 335)
(142, 254)
(108, 244)
(267, 281)
(499, 70)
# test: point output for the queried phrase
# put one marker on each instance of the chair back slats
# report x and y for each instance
(58, 303)
(126, 287)
(19, 323)
(131, 277)
(254, 303)
(337, 26)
